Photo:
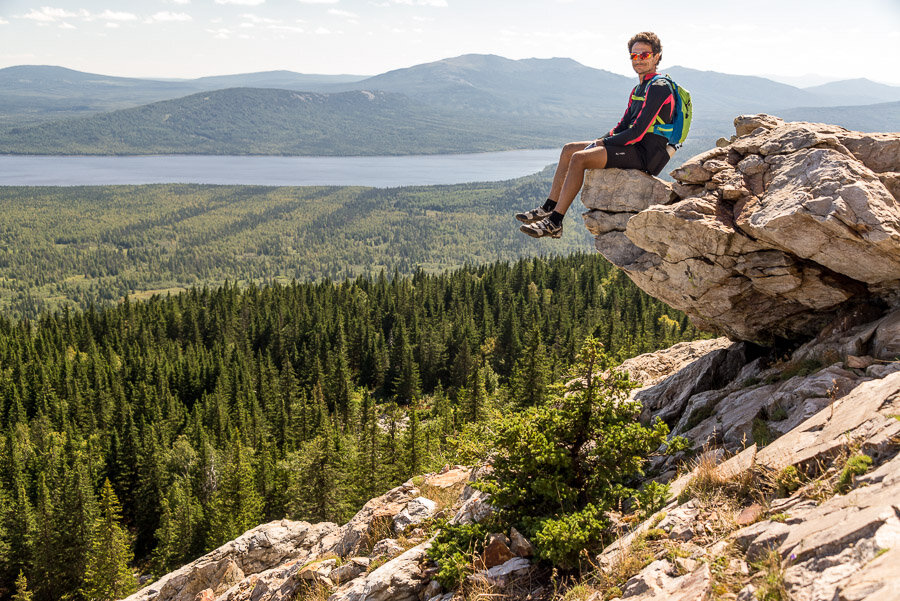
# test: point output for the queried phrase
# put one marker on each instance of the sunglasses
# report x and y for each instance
(640, 55)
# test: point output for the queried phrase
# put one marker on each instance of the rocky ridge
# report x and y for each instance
(768, 236)
(830, 541)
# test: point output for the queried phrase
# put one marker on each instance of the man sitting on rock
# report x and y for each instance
(629, 145)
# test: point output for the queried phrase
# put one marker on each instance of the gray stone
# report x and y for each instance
(476, 508)
(388, 547)
(258, 550)
(349, 570)
(417, 510)
(502, 575)
(602, 222)
(432, 590)
(623, 190)
(658, 581)
(747, 124)
(401, 579)
(520, 545)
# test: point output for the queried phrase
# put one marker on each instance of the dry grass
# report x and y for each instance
(628, 561)
(312, 591)
(479, 589)
(380, 528)
(445, 497)
(769, 578)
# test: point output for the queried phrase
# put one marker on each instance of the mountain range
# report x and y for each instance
(466, 103)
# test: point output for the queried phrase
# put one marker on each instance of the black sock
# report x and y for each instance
(556, 218)
(549, 205)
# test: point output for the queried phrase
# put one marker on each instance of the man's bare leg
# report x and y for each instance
(563, 167)
(593, 158)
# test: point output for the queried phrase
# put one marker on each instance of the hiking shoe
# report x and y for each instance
(533, 215)
(542, 228)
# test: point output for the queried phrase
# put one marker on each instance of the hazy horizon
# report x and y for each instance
(800, 81)
(791, 42)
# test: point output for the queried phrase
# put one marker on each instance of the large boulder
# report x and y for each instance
(401, 579)
(770, 237)
(264, 548)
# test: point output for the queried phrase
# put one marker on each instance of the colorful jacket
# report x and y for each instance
(649, 104)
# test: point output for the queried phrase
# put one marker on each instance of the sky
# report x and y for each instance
(797, 41)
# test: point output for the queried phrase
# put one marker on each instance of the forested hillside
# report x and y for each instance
(77, 246)
(212, 411)
(242, 121)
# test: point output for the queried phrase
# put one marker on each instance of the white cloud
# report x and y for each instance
(65, 25)
(220, 34)
(342, 13)
(323, 31)
(109, 15)
(3, 21)
(178, 1)
(169, 17)
(288, 28)
(241, 2)
(438, 3)
(48, 14)
(112, 25)
(318, 1)
(257, 20)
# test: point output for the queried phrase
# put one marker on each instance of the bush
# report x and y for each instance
(857, 465)
(788, 480)
(560, 465)
(651, 498)
(453, 549)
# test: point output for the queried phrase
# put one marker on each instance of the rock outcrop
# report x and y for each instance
(283, 543)
(771, 236)
(756, 416)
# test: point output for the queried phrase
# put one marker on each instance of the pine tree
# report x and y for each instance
(414, 452)
(178, 535)
(531, 376)
(108, 576)
(22, 593)
(236, 505)
(476, 396)
(17, 520)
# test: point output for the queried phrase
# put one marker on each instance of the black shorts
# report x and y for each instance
(648, 157)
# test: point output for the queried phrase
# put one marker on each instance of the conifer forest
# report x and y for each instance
(140, 435)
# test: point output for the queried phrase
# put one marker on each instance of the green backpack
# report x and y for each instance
(677, 131)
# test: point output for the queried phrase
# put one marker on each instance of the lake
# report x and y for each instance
(379, 171)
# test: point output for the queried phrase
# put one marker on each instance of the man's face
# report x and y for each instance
(642, 66)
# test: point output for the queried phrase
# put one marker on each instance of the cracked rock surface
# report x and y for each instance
(770, 237)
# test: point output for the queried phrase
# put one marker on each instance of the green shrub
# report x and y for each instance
(677, 444)
(560, 465)
(788, 480)
(453, 550)
(561, 540)
(651, 498)
(857, 465)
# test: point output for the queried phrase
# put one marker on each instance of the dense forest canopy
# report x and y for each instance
(214, 410)
(81, 246)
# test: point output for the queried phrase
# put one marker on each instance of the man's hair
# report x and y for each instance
(648, 37)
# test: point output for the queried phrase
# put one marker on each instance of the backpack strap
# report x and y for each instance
(659, 120)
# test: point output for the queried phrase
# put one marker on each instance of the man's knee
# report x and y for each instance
(594, 158)
(573, 147)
